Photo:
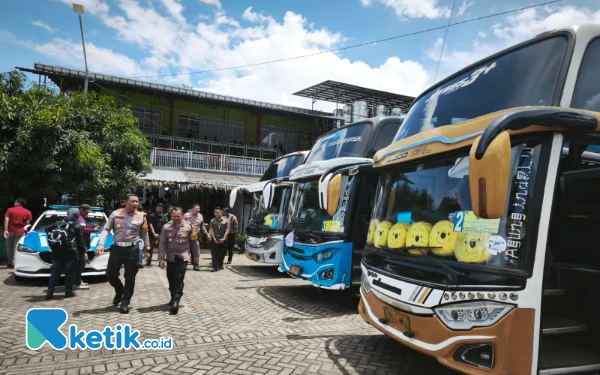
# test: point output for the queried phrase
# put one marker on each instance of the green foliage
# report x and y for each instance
(50, 143)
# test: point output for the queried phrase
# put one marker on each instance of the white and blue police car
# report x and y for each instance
(32, 258)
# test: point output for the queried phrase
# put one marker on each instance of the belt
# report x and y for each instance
(125, 244)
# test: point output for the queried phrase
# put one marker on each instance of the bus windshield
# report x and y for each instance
(350, 141)
(282, 167)
(527, 76)
(427, 209)
(269, 219)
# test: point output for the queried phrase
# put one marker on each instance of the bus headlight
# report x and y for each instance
(270, 243)
(464, 316)
(365, 284)
(325, 255)
(25, 249)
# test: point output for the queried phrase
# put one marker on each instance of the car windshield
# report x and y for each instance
(282, 167)
(428, 208)
(527, 76)
(93, 218)
(272, 218)
(350, 141)
(306, 213)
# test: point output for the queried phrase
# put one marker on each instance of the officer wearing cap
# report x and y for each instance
(177, 239)
(195, 218)
(128, 226)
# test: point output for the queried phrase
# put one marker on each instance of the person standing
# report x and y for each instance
(177, 239)
(66, 240)
(79, 215)
(219, 229)
(15, 220)
(195, 218)
(128, 226)
(156, 221)
(168, 214)
(140, 243)
(233, 231)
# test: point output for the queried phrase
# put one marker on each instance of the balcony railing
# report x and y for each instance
(186, 144)
(208, 162)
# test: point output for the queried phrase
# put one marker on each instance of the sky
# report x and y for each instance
(157, 40)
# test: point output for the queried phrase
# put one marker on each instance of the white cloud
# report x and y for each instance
(482, 35)
(251, 16)
(175, 9)
(43, 25)
(465, 5)
(413, 8)
(94, 7)
(216, 3)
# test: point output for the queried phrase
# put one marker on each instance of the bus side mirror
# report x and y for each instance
(489, 177)
(334, 188)
(233, 197)
(268, 195)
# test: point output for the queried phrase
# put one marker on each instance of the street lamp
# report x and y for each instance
(79, 10)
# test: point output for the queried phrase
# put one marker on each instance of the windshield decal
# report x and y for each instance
(466, 221)
(519, 205)
(463, 82)
(496, 245)
(345, 140)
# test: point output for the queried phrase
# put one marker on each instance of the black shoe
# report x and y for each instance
(140, 265)
(124, 309)
(175, 307)
(220, 268)
(196, 267)
(229, 262)
(49, 295)
(70, 294)
(214, 270)
(148, 263)
(118, 298)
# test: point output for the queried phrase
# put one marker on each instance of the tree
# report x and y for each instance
(85, 144)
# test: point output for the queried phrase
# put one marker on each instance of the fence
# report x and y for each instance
(178, 143)
(209, 162)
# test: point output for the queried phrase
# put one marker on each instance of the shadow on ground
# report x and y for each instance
(257, 271)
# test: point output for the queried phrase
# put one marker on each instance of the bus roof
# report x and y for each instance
(453, 137)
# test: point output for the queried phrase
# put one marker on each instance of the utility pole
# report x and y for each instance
(79, 10)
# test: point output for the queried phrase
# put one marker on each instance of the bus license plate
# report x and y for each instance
(254, 256)
(396, 318)
(295, 270)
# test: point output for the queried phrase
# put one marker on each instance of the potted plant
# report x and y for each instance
(240, 243)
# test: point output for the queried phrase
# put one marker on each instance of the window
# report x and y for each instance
(386, 134)
(587, 88)
(150, 122)
(349, 141)
(209, 129)
(524, 77)
(285, 140)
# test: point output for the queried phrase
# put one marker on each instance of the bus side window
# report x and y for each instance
(386, 135)
(587, 88)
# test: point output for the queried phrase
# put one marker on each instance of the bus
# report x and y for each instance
(264, 233)
(483, 248)
(324, 247)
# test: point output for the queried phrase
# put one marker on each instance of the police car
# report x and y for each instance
(32, 258)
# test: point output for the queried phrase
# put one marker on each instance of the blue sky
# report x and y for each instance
(146, 38)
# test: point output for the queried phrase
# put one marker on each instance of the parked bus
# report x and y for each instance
(483, 248)
(325, 247)
(264, 233)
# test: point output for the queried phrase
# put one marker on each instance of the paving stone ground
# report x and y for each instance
(246, 319)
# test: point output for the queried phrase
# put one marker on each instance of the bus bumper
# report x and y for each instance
(255, 250)
(511, 337)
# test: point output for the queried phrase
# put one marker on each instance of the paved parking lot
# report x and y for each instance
(246, 319)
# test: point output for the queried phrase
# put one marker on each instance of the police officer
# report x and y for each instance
(233, 231)
(177, 239)
(195, 218)
(128, 225)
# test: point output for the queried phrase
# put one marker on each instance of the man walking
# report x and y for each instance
(15, 220)
(128, 226)
(219, 229)
(79, 215)
(233, 231)
(195, 218)
(66, 241)
(156, 221)
(177, 239)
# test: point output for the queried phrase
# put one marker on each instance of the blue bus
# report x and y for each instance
(323, 247)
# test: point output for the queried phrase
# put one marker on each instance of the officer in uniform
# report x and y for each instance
(195, 218)
(177, 239)
(128, 226)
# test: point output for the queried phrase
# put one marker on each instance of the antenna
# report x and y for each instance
(444, 43)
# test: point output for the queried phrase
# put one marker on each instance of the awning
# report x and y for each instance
(196, 180)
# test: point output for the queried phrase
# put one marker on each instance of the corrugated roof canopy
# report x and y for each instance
(200, 180)
(339, 92)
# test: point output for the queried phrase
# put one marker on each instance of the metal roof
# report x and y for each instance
(166, 175)
(339, 92)
(186, 179)
(62, 72)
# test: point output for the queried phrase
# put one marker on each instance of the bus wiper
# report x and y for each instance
(451, 273)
